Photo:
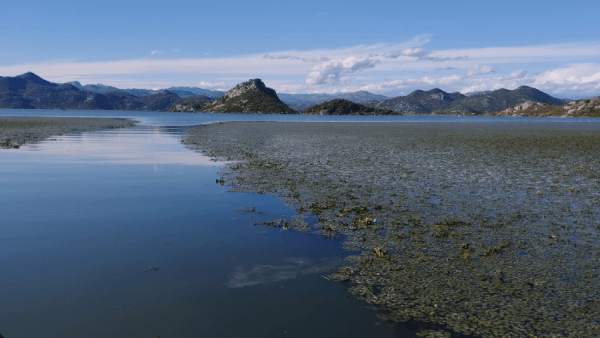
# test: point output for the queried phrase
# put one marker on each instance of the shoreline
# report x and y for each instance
(352, 115)
(16, 131)
(469, 225)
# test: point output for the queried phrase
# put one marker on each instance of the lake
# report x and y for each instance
(124, 233)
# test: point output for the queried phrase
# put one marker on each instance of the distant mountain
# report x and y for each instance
(361, 96)
(420, 102)
(577, 108)
(301, 102)
(345, 107)
(160, 102)
(97, 88)
(29, 91)
(483, 92)
(249, 97)
(30, 77)
(191, 104)
(179, 91)
(501, 99)
(437, 101)
(183, 92)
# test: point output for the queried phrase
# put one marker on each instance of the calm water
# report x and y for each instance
(187, 119)
(124, 233)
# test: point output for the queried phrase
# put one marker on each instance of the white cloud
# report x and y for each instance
(535, 53)
(281, 57)
(575, 79)
(574, 74)
(421, 54)
(476, 71)
(176, 50)
(518, 74)
(582, 77)
(214, 85)
(412, 83)
(412, 52)
(154, 52)
(443, 58)
(316, 59)
(383, 68)
(330, 72)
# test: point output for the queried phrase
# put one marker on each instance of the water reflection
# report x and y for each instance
(291, 269)
(137, 145)
(124, 233)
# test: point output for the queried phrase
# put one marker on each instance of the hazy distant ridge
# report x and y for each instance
(182, 92)
(437, 101)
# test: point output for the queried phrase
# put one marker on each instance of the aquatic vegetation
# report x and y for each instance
(290, 268)
(485, 229)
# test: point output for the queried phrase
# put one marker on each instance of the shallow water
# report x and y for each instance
(189, 119)
(124, 233)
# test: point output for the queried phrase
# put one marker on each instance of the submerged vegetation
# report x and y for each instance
(484, 229)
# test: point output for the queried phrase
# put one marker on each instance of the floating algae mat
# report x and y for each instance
(487, 229)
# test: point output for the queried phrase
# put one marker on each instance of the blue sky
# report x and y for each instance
(388, 47)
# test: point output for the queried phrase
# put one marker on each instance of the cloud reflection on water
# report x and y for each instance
(137, 145)
(292, 267)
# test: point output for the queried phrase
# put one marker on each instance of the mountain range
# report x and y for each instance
(439, 102)
(29, 91)
(182, 92)
(298, 102)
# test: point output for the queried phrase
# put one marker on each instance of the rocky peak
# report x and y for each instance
(249, 97)
(250, 85)
(33, 78)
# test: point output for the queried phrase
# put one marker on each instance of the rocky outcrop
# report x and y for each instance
(249, 97)
(577, 108)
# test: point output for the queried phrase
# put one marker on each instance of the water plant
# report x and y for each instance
(449, 227)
